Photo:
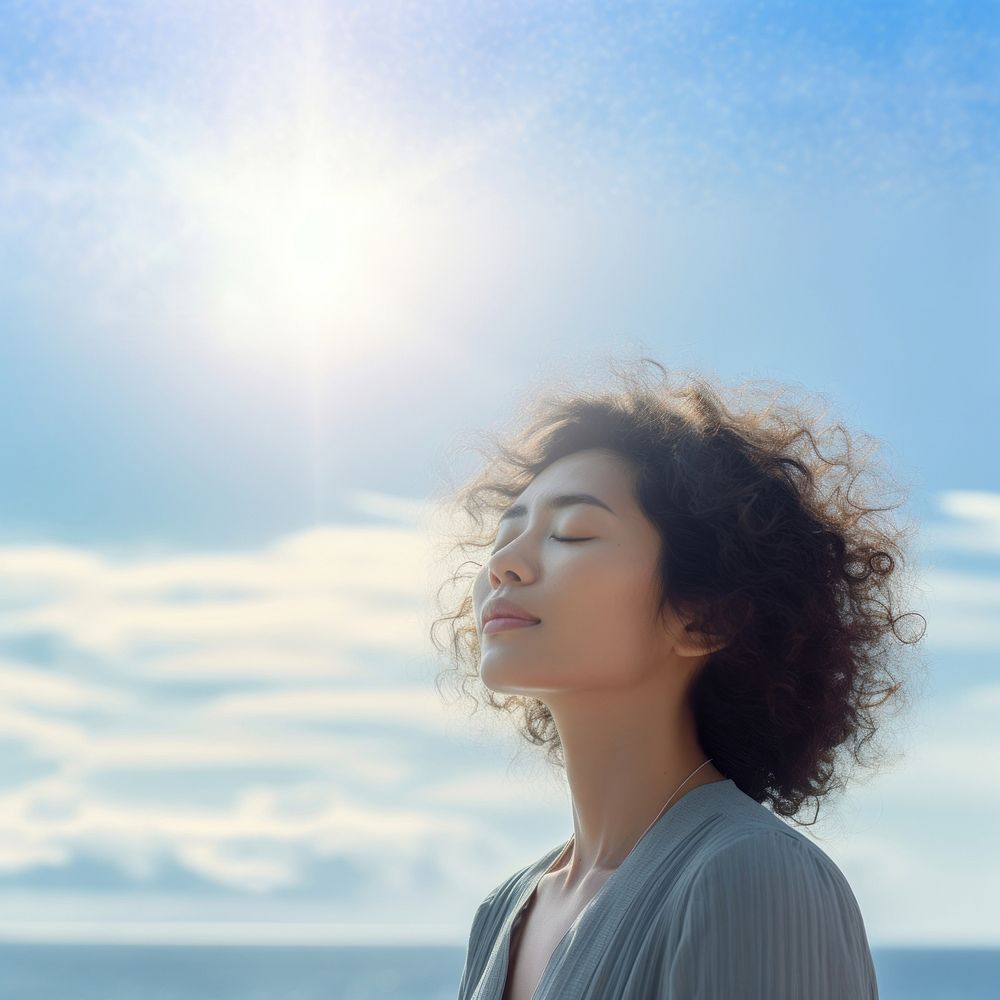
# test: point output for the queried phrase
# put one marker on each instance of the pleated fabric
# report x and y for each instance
(720, 900)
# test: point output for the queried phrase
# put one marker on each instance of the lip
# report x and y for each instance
(502, 624)
(500, 606)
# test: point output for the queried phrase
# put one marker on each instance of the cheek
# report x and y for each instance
(608, 593)
(601, 622)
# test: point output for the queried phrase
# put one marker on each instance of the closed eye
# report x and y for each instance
(557, 538)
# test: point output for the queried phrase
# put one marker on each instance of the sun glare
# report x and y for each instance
(301, 260)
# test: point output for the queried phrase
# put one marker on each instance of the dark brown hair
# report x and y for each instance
(765, 537)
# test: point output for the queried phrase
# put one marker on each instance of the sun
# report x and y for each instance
(318, 223)
(304, 253)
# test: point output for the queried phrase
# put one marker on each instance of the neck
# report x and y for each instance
(625, 758)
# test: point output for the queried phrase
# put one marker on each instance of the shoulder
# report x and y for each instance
(759, 857)
(776, 876)
(488, 919)
(504, 896)
(771, 911)
(507, 892)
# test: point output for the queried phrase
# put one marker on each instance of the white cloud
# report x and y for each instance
(46, 736)
(28, 686)
(331, 620)
(17, 854)
(184, 680)
(337, 588)
(975, 524)
(373, 504)
(256, 874)
(416, 709)
(242, 661)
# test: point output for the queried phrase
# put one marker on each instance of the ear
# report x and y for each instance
(699, 643)
(685, 638)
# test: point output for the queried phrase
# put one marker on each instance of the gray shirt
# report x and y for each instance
(719, 900)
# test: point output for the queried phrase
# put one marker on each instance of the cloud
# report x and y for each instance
(334, 588)
(259, 722)
(26, 686)
(240, 717)
(962, 605)
(974, 526)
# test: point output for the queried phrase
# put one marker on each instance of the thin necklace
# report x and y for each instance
(655, 818)
(515, 923)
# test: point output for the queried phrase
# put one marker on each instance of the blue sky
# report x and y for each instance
(264, 267)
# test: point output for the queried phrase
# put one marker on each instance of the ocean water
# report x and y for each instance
(32, 971)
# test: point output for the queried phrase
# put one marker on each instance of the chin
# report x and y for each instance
(504, 679)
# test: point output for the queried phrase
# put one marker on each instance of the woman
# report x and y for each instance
(684, 601)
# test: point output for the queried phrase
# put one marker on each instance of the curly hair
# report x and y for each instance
(764, 537)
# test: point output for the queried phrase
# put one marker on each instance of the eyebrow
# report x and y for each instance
(557, 502)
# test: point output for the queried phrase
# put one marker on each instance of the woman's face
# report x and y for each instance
(595, 598)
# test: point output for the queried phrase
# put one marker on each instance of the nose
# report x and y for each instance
(509, 574)
(507, 564)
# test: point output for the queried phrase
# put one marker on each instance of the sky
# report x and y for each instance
(265, 268)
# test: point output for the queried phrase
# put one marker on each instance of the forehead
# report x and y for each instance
(602, 473)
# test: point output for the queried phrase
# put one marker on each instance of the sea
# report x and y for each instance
(43, 971)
